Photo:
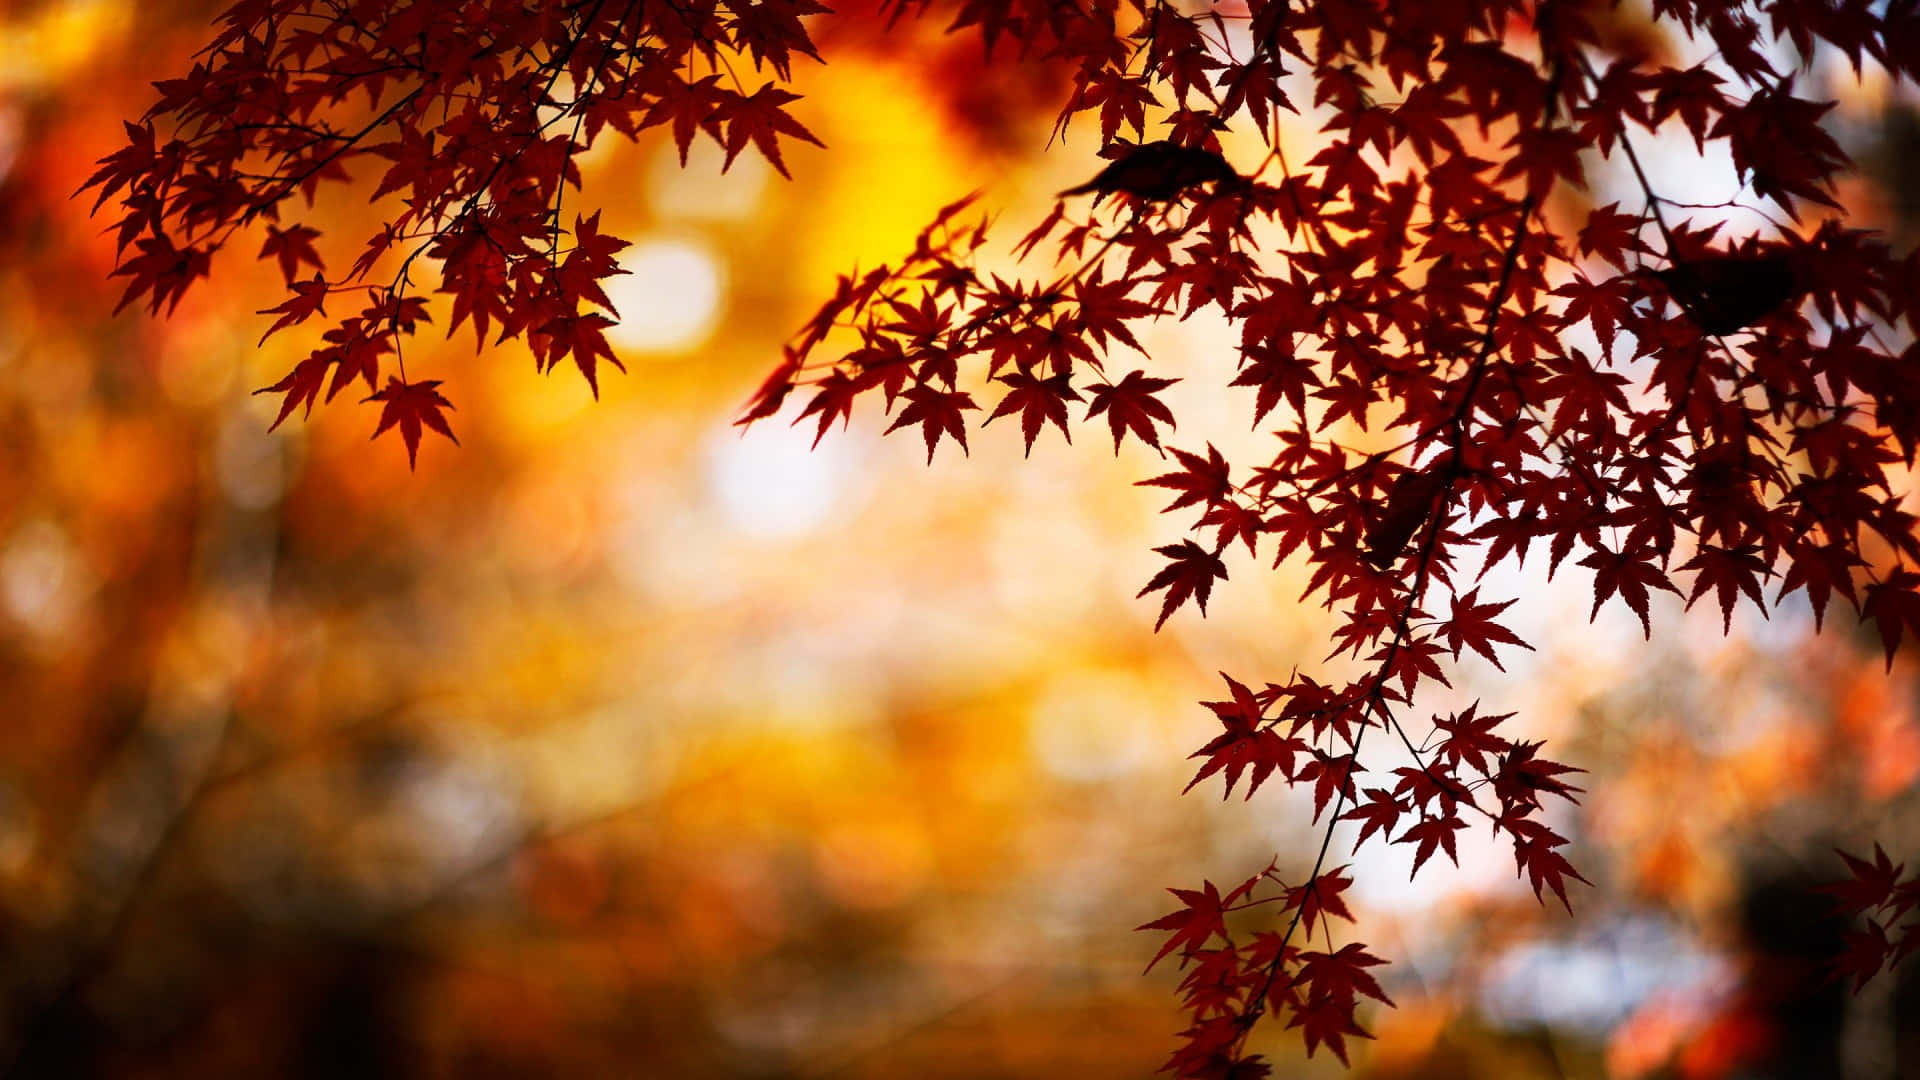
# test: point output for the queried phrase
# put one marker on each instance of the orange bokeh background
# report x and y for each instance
(621, 742)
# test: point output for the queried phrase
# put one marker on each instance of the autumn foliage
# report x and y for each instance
(1465, 359)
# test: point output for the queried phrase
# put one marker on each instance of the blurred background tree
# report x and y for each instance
(622, 743)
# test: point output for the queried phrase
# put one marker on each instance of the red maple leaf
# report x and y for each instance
(1429, 832)
(1342, 974)
(308, 299)
(1863, 953)
(1381, 812)
(583, 337)
(833, 401)
(1037, 401)
(1871, 885)
(761, 120)
(1612, 235)
(1894, 606)
(302, 386)
(773, 391)
(1729, 572)
(1471, 626)
(1320, 898)
(1523, 775)
(164, 270)
(1329, 774)
(937, 412)
(1333, 982)
(1202, 916)
(409, 406)
(1247, 741)
(1131, 406)
(1329, 1020)
(1279, 374)
(1201, 479)
(1106, 309)
(1469, 737)
(1628, 575)
(1693, 94)
(1534, 853)
(291, 247)
(1190, 574)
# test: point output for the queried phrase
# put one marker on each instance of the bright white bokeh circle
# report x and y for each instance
(670, 297)
(770, 481)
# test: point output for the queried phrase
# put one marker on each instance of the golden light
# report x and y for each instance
(670, 298)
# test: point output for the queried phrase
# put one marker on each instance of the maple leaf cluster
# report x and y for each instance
(471, 116)
(1231, 983)
(1460, 371)
(1876, 894)
(1236, 986)
(1463, 360)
